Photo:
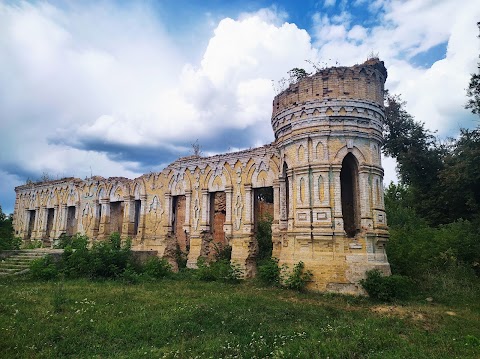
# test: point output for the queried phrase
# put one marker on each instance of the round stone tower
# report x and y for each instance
(328, 130)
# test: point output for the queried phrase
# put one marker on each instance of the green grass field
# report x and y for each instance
(191, 319)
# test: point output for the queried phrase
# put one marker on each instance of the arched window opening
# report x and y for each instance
(350, 195)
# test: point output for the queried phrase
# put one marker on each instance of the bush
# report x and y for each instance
(10, 243)
(110, 258)
(157, 268)
(414, 250)
(264, 238)
(452, 286)
(386, 288)
(130, 276)
(107, 259)
(204, 271)
(76, 241)
(298, 278)
(44, 269)
(32, 244)
(415, 247)
(76, 264)
(221, 270)
(222, 252)
(269, 272)
(181, 257)
(226, 272)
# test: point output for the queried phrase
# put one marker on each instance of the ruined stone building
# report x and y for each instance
(323, 172)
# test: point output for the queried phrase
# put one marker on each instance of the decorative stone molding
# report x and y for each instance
(323, 170)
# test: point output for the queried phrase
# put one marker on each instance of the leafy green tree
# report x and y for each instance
(460, 177)
(400, 206)
(7, 240)
(415, 148)
(419, 158)
(442, 180)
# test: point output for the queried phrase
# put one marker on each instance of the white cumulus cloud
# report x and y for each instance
(105, 85)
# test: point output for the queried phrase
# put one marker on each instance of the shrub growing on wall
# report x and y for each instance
(298, 278)
(181, 257)
(222, 252)
(264, 238)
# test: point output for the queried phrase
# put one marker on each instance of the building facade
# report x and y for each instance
(321, 181)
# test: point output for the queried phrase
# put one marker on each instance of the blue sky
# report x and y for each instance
(121, 88)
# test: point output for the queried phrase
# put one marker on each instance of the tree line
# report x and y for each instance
(434, 210)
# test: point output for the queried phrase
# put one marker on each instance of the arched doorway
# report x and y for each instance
(350, 195)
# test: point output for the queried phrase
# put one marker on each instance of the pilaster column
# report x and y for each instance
(77, 217)
(248, 225)
(96, 217)
(128, 222)
(337, 200)
(141, 222)
(228, 203)
(381, 190)
(276, 200)
(281, 199)
(365, 194)
(36, 227)
(205, 221)
(248, 204)
(26, 222)
(227, 226)
(366, 200)
(62, 228)
(292, 199)
(103, 228)
(188, 200)
(169, 212)
(54, 233)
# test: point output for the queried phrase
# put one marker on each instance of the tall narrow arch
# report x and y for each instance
(350, 195)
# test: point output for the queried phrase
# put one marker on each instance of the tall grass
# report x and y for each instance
(192, 319)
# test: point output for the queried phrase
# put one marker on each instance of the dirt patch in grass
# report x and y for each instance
(399, 311)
